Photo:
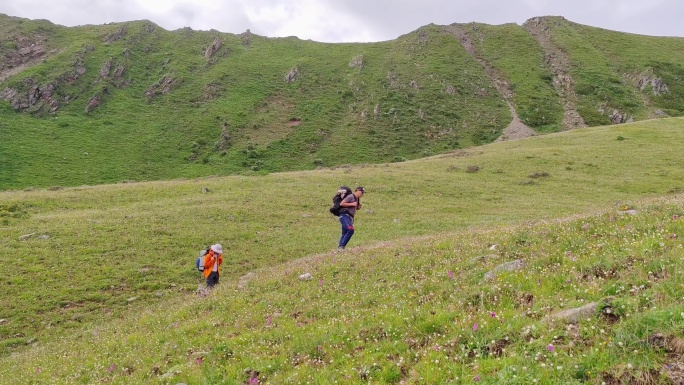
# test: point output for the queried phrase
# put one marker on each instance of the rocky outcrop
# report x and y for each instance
(94, 102)
(213, 48)
(246, 38)
(615, 115)
(36, 97)
(649, 79)
(162, 87)
(116, 36)
(357, 62)
(292, 75)
(29, 50)
(105, 69)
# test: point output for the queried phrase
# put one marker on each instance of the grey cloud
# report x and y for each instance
(376, 19)
(389, 19)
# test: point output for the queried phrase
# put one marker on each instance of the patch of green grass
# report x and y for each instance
(103, 252)
(404, 311)
(522, 64)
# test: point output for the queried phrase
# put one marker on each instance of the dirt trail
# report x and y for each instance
(559, 62)
(516, 129)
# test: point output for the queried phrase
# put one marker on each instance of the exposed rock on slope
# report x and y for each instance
(29, 50)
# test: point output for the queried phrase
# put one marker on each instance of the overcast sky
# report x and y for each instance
(352, 20)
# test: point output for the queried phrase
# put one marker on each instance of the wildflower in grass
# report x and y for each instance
(675, 217)
(320, 282)
(475, 326)
(451, 274)
(38, 369)
(476, 378)
(492, 314)
(269, 321)
(551, 348)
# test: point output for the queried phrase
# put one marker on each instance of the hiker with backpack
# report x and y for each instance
(345, 203)
(212, 264)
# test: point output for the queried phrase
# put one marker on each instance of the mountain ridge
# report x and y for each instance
(186, 103)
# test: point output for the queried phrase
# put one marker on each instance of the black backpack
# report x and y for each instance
(342, 193)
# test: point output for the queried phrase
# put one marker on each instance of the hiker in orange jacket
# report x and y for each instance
(212, 264)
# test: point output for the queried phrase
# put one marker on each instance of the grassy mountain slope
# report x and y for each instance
(131, 101)
(125, 248)
(615, 72)
(173, 112)
(521, 66)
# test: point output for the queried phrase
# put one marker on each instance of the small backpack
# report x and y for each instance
(342, 193)
(199, 264)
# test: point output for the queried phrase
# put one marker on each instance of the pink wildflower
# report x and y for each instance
(492, 314)
(111, 368)
(551, 348)
(451, 274)
(475, 326)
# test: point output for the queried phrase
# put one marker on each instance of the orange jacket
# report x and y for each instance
(209, 259)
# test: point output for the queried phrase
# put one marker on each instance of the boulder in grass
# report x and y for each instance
(573, 316)
(504, 267)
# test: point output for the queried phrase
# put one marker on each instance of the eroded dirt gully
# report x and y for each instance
(559, 63)
(516, 129)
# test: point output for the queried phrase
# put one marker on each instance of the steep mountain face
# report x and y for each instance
(132, 101)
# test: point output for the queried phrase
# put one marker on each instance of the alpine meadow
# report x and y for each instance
(523, 219)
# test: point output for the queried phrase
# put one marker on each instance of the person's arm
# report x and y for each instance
(209, 260)
(348, 203)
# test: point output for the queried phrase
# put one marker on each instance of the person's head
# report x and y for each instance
(217, 249)
(359, 191)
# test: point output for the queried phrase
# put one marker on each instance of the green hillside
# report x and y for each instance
(99, 281)
(635, 76)
(134, 102)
